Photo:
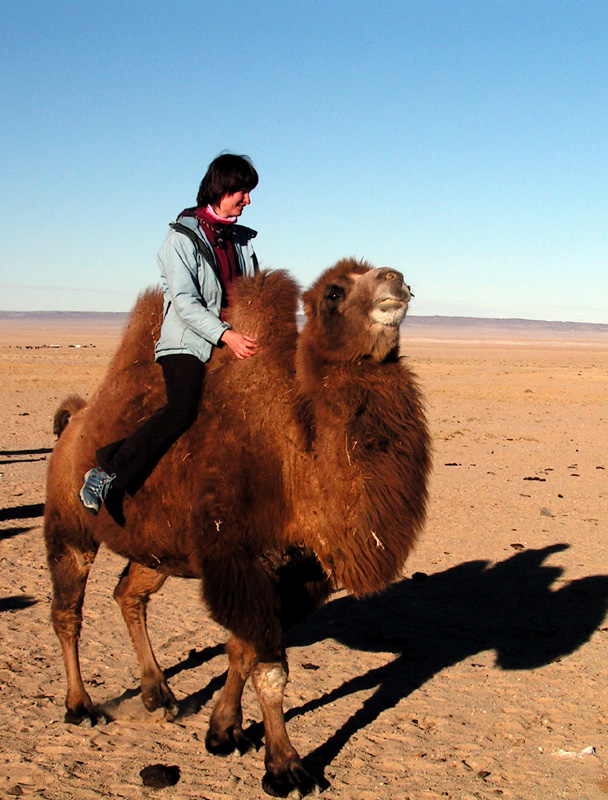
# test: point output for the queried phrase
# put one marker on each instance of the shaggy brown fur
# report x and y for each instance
(305, 471)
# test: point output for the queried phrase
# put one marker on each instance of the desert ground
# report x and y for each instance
(481, 674)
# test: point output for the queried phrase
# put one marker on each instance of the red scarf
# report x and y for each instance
(220, 234)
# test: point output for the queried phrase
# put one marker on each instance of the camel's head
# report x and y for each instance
(354, 310)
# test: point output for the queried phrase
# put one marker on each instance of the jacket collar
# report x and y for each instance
(243, 234)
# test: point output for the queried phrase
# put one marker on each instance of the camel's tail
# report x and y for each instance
(66, 409)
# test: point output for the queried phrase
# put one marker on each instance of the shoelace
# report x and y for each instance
(101, 484)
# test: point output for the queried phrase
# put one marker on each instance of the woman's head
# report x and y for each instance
(226, 175)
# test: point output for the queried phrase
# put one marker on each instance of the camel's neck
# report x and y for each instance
(334, 388)
(369, 444)
(326, 348)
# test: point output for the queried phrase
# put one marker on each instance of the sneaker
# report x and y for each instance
(94, 491)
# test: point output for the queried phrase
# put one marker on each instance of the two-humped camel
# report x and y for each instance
(305, 472)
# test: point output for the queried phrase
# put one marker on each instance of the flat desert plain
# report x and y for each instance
(480, 674)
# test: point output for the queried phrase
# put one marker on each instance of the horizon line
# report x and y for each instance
(430, 318)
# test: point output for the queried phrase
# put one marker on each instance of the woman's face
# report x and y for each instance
(232, 205)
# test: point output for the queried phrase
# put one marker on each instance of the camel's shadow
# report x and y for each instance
(435, 621)
(432, 622)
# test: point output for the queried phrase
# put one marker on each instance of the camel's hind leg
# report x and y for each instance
(134, 588)
(225, 732)
(69, 569)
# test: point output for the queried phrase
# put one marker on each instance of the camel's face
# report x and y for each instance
(390, 296)
(359, 307)
(379, 294)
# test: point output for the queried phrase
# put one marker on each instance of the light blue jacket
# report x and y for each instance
(193, 292)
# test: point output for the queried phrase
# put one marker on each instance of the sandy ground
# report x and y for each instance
(482, 674)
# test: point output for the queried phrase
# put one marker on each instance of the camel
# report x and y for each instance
(305, 472)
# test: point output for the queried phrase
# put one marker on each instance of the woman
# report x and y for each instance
(203, 254)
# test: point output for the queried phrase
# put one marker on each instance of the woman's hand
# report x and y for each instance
(241, 345)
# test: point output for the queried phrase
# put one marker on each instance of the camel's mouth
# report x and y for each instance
(390, 310)
(390, 303)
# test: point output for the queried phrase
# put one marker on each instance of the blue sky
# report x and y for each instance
(462, 142)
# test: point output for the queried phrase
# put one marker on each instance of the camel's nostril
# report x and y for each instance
(387, 274)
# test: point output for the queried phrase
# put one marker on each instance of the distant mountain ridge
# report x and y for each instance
(33, 316)
(110, 318)
(509, 323)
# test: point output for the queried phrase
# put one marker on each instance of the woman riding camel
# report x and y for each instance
(203, 254)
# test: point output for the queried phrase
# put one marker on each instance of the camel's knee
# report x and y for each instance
(270, 679)
(135, 586)
(67, 622)
(69, 572)
(123, 593)
(68, 562)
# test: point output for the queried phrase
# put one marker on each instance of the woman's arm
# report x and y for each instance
(179, 268)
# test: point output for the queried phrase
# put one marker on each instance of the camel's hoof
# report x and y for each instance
(161, 697)
(244, 744)
(293, 782)
(225, 743)
(80, 717)
(171, 712)
(85, 717)
(219, 745)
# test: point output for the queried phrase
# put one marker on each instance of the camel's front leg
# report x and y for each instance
(134, 588)
(225, 732)
(250, 609)
(284, 770)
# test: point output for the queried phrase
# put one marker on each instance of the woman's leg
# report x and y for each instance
(134, 458)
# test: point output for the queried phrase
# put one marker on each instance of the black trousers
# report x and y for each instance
(133, 459)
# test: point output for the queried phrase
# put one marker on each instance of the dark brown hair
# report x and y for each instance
(227, 174)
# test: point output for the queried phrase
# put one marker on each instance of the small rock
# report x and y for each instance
(586, 751)
(544, 512)
(159, 776)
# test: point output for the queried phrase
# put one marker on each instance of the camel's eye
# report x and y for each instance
(333, 296)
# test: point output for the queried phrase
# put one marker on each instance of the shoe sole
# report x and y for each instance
(92, 509)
